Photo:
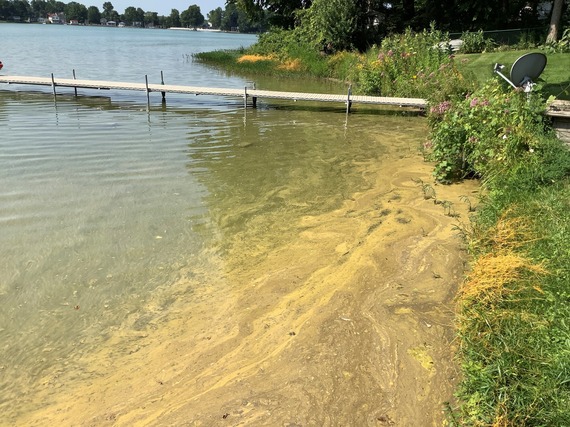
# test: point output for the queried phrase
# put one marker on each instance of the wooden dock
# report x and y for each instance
(560, 112)
(244, 93)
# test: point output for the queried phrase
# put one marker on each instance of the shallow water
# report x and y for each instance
(105, 205)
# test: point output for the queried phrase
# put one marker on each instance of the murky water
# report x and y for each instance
(104, 205)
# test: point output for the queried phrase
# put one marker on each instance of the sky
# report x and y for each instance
(162, 7)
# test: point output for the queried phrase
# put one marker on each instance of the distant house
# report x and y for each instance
(73, 22)
(111, 24)
(56, 18)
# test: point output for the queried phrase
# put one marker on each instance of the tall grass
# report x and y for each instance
(229, 60)
(407, 65)
(279, 52)
(514, 307)
(411, 65)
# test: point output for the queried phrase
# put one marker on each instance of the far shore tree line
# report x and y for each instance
(232, 18)
(342, 23)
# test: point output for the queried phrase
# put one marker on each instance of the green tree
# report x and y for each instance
(130, 15)
(53, 6)
(22, 9)
(5, 6)
(93, 15)
(282, 12)
(192, 17)
(109, 11)
(235, 19)
(330, 24)
(230, 18)
(175, 18)
(215, 17)
(140, 15)
(333, 25)
(39, 8)
(151, 19)
(74, 10)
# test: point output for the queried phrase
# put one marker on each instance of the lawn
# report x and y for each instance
(556, 76)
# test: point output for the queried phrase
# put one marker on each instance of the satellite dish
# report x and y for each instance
(528, 67)
(524, 71)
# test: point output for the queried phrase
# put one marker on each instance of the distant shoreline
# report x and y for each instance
(208, 30)
(195, 29)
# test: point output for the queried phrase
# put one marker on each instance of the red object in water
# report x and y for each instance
(1, 65)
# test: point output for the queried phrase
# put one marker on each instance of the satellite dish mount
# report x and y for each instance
(524, 71)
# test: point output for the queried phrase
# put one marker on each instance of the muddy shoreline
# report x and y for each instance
(350, 324)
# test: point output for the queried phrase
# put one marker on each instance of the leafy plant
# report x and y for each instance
(475, 42)
(562, 45)
(486, 132)
(410, 65)
(427, 189)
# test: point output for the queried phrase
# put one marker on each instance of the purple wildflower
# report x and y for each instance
(441, 108)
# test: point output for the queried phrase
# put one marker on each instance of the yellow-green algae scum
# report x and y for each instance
(342, 317)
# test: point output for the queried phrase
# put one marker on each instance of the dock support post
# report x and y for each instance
(74, 87)
(348, 101)
(245, 97)
(53, 85)
(254, 98)
(162, 83)
(147, 93)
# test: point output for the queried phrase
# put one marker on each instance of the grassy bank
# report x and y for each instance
(515, 303)
(556, 77)
(307, 64)
(514, 306)
(403, 63)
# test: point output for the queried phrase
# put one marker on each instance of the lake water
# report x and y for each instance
(105, 206)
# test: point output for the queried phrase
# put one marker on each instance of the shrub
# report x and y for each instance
(279, 42)
(291, 47)
(486, 132)
(342, 64)
(411, 65)
(560, 46)
(475, 42)
(330, 24)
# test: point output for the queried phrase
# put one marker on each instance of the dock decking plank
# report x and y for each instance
(195, 90)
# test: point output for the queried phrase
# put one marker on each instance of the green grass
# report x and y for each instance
(228, 60)
(556, 76)
(515, 347)
(308, 64)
